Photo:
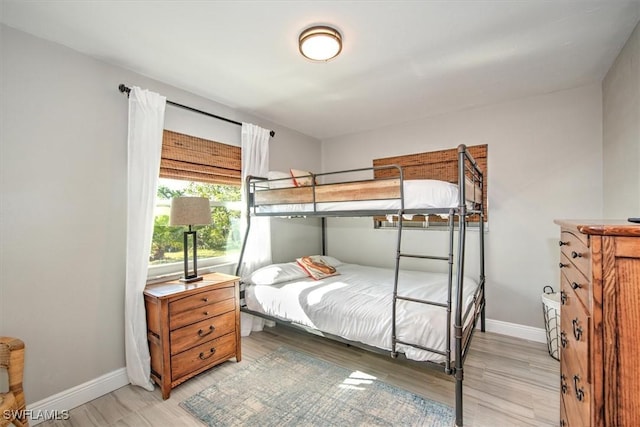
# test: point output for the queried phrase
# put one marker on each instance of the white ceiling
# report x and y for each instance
(401, 60)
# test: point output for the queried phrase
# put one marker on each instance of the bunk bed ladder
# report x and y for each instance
(397, 298)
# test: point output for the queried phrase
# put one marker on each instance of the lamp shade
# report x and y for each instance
(190, 211)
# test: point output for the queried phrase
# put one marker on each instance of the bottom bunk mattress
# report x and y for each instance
(356, 304)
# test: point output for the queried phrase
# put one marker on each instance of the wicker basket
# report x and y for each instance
(551, 313)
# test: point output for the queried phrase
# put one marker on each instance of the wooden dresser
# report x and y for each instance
(191, 327)
(600, 323)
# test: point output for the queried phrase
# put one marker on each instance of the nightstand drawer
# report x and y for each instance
(201, 313)
(576, 250)
(202, 356)
(206, 330)
(201, 299)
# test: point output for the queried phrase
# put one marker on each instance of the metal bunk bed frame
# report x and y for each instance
(463, 335)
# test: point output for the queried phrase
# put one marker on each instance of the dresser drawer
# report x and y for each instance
(203, 331)
(202, 356)
(574, 331)
(576, 250)
(564, 420)
(575, 281)
(576, 394)
(201, 313)
(201, 299)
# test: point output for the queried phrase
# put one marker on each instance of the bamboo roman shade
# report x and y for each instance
(441, 165)
(195, 159)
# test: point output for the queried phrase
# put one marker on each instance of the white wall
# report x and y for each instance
(63, 174)
(545, 162)
(621, 132)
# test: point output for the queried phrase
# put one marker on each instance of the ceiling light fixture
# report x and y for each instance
(320, 43)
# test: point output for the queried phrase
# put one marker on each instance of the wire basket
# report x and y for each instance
(551, 313)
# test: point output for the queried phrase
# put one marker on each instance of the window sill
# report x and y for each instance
(222, 265)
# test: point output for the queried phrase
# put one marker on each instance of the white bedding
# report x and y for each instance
(418, 194)
(356, 305)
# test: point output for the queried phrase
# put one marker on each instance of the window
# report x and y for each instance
(192, 166)
(218, 243)
(420, 222)
(440, 165)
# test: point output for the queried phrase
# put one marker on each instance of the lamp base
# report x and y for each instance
(191, 279)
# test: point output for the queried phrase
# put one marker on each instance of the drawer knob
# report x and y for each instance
(579, 390)
(205, 299)
(575, 285)
(206, 313)
(563, 384)
(577, 330)
(202, 356)
(561, 265)
(563, 339)
(563, 297)
(561, 243)
(575, 254)
(202, 333)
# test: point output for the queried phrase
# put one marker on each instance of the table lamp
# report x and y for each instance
(190, 211)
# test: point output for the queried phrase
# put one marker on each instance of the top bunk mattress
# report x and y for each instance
(356, 304)
(376, 195)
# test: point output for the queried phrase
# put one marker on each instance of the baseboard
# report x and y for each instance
(57, 405)
(514, 330)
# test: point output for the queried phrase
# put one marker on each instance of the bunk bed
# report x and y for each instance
(417, 315)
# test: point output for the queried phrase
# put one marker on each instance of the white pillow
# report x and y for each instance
(333, 262)
(430, 193)
(276, 273)
(283, 180)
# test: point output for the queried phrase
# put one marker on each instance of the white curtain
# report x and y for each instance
(146, 123)
(255, 161)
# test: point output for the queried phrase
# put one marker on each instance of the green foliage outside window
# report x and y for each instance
(220, 238)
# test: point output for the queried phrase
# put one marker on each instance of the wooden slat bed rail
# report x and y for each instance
(342, 192)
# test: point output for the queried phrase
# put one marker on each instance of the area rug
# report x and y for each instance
(290, 388)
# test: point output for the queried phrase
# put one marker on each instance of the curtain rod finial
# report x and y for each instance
(124, 89)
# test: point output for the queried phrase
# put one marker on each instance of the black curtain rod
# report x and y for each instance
(125, 89)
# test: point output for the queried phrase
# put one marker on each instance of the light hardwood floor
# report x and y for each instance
(508, 382)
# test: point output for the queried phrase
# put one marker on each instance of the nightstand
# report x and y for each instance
(191, 327)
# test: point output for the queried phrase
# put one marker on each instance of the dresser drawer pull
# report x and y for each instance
(575, 254)
(577, 330)
(202, 333)
(563, 384)
(206, 313)
(205, 299)
(561, 243)
(579, 390)
(563, 297)
(563, 339)
(561, 265)
(575, 285)
(211, 353)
